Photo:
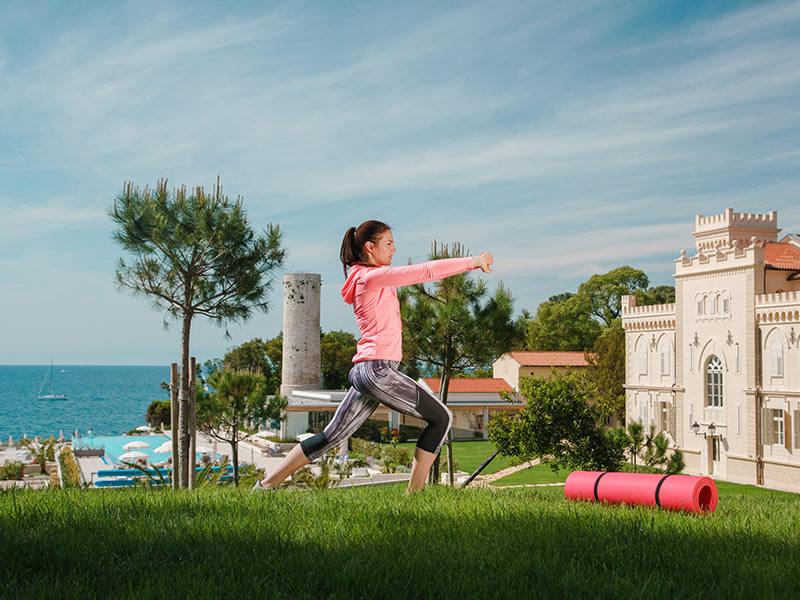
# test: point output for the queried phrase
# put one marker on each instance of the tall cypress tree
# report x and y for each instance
(194, 254)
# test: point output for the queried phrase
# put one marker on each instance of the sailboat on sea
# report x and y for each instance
(51, 395)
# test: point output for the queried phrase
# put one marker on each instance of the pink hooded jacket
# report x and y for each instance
(371, 291)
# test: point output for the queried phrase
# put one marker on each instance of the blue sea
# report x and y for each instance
(110, 400)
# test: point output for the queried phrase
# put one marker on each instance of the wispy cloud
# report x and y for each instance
(763, 19)
(57, 214)
(365, 126)
(14, 148)
(565, 137)
(610, 246)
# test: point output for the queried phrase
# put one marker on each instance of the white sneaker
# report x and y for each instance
(260, 488)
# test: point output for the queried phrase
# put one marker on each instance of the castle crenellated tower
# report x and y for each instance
(731, 229)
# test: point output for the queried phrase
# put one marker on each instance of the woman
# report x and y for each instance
(370, 287)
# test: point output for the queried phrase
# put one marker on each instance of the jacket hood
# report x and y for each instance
(349, 287)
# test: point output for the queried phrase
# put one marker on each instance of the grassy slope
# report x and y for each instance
(470, 455)
(534, 474)
(373, 543)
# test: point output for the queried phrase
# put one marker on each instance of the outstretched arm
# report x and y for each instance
(425, 272)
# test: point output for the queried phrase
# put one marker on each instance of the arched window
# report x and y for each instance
(665, 358)
(776, 358)
(700, 306)
(714, 382)
(643, 357)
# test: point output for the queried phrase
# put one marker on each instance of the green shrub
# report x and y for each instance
(70, 471)
(443, 466)
(12, 470)
(332, 472)
(370, 430)
(558, 424)
(394, 456)
(158, 413)
(41, 451)
(649, 452)
(390, 456)
(363, 447)
(357, 460)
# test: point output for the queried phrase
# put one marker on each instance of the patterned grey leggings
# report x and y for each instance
(376, 381)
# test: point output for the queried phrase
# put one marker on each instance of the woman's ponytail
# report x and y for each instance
(354, 239)
(348, 254)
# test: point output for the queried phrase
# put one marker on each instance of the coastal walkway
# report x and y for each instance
(507, 471)
(90, 465)
(32, 483)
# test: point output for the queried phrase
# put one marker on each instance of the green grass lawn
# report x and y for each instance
(470, 455)
(727, 489)
(374, 543)
(535, 474)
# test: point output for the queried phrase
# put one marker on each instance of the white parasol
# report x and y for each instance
(133, 456)
(136, 445)
(164, 448)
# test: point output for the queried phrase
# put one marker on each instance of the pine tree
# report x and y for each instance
(452, 326)
(194, 254)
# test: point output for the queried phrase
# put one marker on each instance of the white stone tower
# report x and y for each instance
(731, 229)
(301, 354)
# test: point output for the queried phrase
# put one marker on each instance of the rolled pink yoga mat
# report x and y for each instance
(676, 492)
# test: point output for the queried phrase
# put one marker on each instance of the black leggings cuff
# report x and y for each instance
(314, 444)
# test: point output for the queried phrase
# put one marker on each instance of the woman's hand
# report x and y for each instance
(483, 262)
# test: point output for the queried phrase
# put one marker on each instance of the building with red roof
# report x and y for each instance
(511, 366)
(478, 386)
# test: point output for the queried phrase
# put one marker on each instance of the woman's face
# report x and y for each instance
(380, 252)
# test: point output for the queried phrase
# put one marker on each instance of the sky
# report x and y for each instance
(567, 138)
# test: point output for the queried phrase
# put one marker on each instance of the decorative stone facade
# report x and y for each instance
(719, 370)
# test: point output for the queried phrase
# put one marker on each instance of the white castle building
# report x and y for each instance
(719, 370)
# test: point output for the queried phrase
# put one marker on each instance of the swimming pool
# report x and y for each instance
(113, 445)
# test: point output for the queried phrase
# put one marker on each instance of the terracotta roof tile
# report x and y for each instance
(549, 359)
(782, 256)
(470, 385)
